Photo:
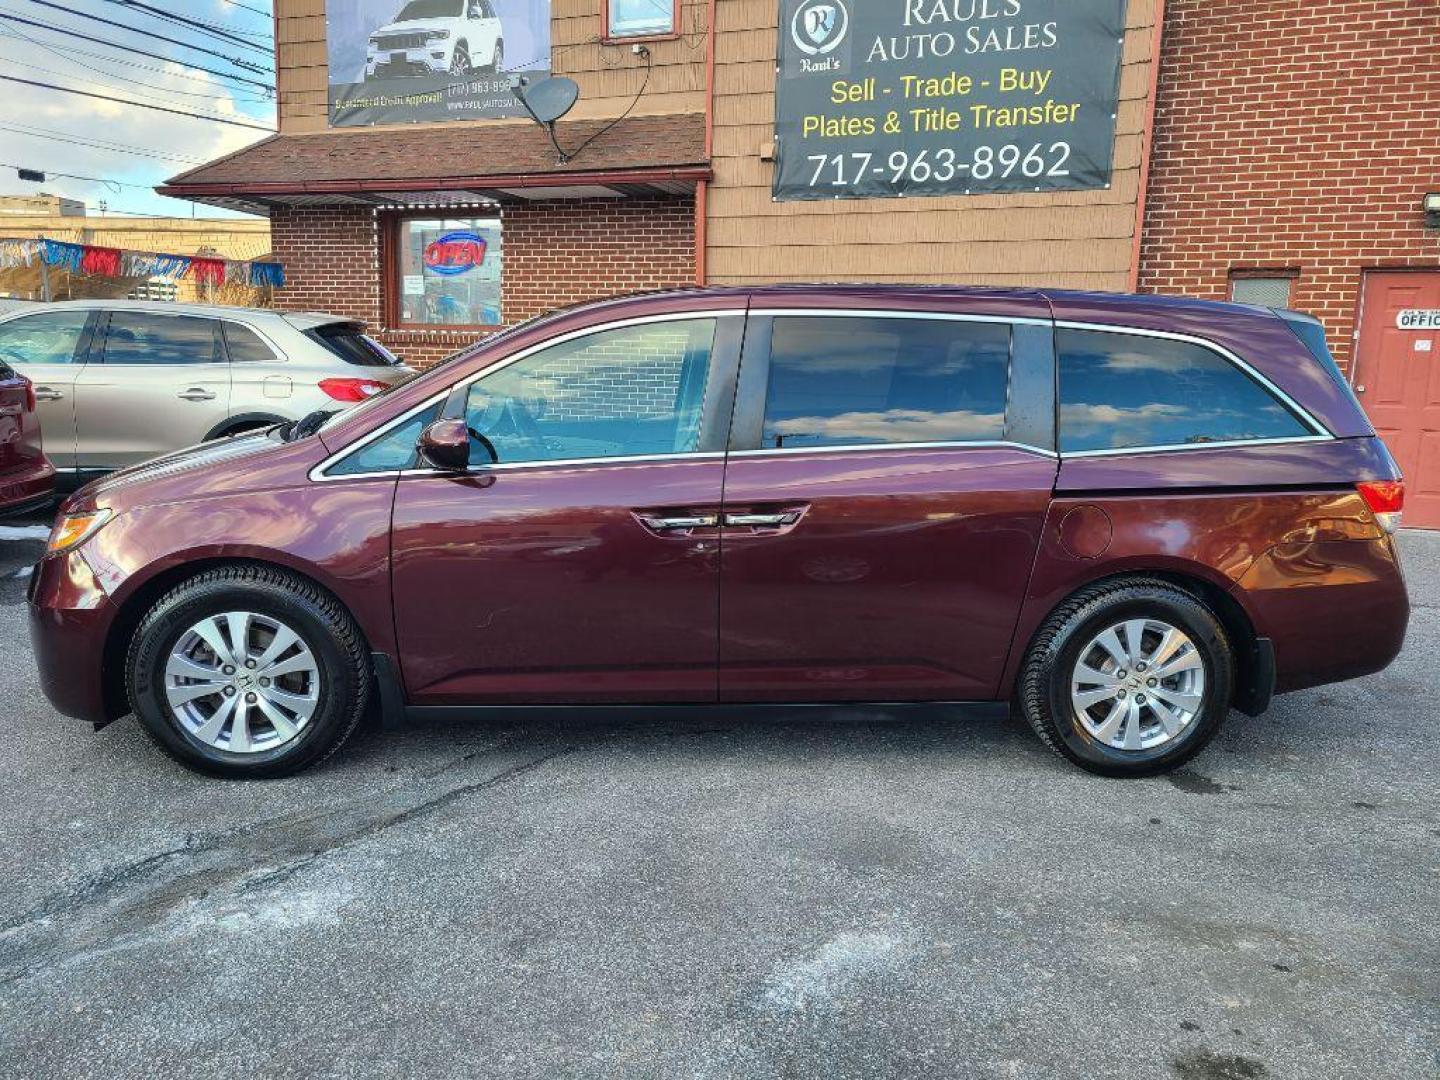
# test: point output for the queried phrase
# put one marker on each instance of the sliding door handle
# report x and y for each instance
(669, 524)
(764, 521)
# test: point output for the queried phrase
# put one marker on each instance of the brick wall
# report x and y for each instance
(1293, 136)
(555, 254)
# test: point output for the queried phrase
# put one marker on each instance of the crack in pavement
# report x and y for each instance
(133, 902)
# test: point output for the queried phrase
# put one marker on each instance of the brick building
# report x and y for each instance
(1279, 152)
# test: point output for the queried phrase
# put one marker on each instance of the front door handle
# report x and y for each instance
(48, 393)
(689, 521)
(764, 521)
(196, 393)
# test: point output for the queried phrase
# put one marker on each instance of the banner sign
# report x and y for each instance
(890, 98)
(414, 61)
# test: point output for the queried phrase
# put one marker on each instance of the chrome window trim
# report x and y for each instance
(1173, 448)
(318, 474)
(978, 444)
(936, 316)
(870, 313)
(1321, 432)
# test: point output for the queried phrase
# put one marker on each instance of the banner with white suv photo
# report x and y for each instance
(417, 61)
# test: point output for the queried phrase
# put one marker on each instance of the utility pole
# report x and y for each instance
(44, 274)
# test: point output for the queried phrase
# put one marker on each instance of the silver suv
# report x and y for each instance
(120, 381)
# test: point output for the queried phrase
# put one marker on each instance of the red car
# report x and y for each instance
(27, 479)
(1120, 515)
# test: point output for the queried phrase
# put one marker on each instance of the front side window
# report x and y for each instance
(634, 390)
(854, 381)
(137, 337)
(448, 271)
(1121, 391)
(639, 18)
(48, 338)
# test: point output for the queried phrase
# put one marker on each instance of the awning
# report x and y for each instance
(439, 166)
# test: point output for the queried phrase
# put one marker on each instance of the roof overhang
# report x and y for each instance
(484, 164)
(258, 198)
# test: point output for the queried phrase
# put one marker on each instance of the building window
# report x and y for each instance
(640, 18)
(448, 272)
(1265, 291)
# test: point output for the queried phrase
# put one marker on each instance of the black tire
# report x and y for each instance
(1044, 685)
(460, 61)
(497, 59)
(323, 624)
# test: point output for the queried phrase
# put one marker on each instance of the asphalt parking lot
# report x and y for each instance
(863, 896)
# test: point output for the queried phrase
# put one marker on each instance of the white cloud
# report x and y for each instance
(168, 84)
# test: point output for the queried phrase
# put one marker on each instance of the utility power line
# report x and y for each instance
(8, 17)
(209, 29)
(137, 104)
(245, 64)
(136, 82)
(116, 184)
(247, 7)
(101, 144)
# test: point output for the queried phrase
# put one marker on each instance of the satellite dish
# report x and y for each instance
(547, 101)
(550, 99)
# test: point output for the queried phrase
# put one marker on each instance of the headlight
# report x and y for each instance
(72, 530)
(437, 35)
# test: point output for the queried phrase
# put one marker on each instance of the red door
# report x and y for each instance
(1397, 378)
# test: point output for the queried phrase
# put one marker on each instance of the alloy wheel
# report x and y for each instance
(242, 682)
(1138, 685)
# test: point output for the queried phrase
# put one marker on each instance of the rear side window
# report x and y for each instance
(1120, 391)
(245, 346)
(349, 343)
(47, 338)
(838, 381)
(137, 337)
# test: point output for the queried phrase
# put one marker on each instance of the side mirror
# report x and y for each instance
(445, 445)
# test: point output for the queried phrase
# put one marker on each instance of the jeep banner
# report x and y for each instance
(945, 97)
(413, 61)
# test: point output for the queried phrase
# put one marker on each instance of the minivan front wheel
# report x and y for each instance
(1128, 678)
(248, 671)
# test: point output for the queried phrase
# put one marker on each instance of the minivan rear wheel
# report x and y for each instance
(1128, 678)
(248, 671)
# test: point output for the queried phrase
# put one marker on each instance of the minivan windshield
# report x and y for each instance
(430, 9)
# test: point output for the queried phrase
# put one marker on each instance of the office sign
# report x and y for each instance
(415, 61)
(945, 97)
(1418, 319)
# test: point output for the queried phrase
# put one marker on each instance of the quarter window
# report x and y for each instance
(855, 381)
(635, 390)
(1121, 391)
(392, 452)
(244, 345)
(136, 337)
(48, 338)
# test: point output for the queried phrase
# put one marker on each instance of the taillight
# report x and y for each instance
(1386, 499)
(352, 389)
(31, 401)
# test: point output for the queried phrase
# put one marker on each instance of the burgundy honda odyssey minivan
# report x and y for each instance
(1122, 515)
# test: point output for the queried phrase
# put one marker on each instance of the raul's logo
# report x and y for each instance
(455, 253)
(819, 26)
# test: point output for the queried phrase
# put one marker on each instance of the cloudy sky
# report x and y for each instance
(134, 148)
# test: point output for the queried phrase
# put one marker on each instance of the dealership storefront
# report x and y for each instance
(1272, 155)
